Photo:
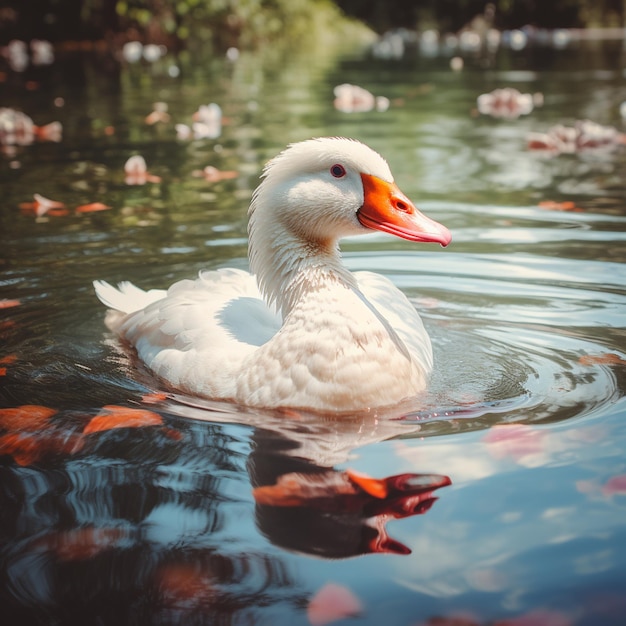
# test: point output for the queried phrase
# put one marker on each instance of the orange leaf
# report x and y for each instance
(23, 449)
(152, 398)
(552, 205)
(57, 212)
(90, 208)
(28, 417)
(333, 602)
(7, 304)
(157, 116)
(373, 486)
(113, 416)
(601, 359)
(27, 449)
(8, 359)
(3, 371)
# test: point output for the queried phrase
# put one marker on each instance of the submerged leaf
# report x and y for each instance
(607, 358)
(27, 448)
(82, 543)
(185, 585)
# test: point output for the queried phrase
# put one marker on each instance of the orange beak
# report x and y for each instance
(387, 209)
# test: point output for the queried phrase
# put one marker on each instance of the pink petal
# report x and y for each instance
(616, 485)
(333, 602)
(538, 617)
(514, 440)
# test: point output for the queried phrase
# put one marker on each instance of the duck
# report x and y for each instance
(299, 330)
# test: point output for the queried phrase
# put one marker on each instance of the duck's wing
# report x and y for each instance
(197, 334)
(400, 316)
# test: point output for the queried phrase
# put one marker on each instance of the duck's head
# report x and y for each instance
(323, 189)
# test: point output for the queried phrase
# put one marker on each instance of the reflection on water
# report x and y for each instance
(497, 497)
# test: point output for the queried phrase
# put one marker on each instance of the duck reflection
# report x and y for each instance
(146, 506)
(331, 513)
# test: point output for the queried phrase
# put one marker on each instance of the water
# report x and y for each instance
(525, 413)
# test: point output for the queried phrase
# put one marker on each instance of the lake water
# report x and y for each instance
(501, 500)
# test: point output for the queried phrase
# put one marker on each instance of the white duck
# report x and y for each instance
(300, 331)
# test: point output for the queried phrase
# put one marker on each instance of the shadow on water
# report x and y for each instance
(496, 497)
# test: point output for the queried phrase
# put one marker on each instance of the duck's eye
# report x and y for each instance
(338, 171)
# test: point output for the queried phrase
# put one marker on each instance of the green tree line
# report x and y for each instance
(247, 23)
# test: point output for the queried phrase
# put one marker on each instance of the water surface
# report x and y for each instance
(511, 503)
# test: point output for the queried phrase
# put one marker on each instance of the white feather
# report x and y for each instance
(126, 298)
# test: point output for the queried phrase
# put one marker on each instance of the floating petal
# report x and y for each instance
(333, 602)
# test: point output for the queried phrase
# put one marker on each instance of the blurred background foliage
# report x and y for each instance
(252, 23)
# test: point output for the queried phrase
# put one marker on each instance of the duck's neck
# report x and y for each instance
(289, 268)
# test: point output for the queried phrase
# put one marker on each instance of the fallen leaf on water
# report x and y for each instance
(8, 304)
(154, 398)
(28, 417)
(373, 486)
(42, 206)
(50, 132)
(8, 359)
(333, 602)
(213, 175)
(157, 116)
(112, 416)
(81, 543)
(601, 359)
(90, 208)
(137, 172)
(551, 205)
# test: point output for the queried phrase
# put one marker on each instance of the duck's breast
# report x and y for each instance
(341, 349)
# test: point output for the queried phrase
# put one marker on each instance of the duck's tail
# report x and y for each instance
(125, 298)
